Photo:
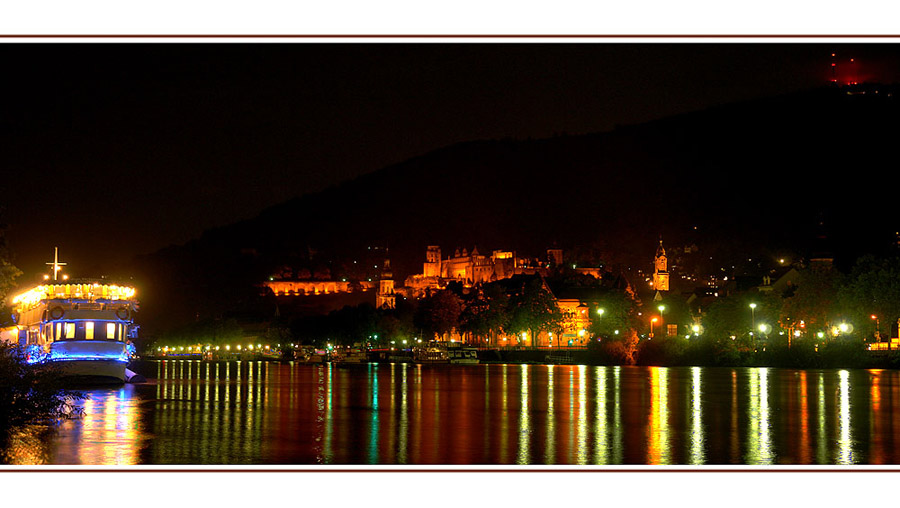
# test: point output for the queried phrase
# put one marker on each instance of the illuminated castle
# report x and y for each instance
(470, 268)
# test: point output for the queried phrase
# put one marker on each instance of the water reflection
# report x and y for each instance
(845, 452)
(601, 427)
(697, 453)
(758, 438)
(658, 429)
(524, 418)
(269, 413)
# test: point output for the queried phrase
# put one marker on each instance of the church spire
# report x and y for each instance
(661, 268)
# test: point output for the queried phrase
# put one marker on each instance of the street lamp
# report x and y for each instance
(662, 318)
(877, 329)
(752, 315)
(651, 326)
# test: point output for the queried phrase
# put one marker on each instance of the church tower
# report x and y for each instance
(385, 298)
(661, 269)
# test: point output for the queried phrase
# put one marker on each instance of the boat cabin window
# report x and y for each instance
(83, 330)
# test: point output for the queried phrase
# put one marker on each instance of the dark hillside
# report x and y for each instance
(753, 177)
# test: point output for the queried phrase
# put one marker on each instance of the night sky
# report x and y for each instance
(114, 150)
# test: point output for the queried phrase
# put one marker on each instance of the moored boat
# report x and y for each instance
(431, 353)
(465, 355)
(350, 355)
(84, 327)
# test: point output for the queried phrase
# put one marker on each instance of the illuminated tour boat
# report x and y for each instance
(84, 326)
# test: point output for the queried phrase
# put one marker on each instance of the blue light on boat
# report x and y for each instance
(63, 356)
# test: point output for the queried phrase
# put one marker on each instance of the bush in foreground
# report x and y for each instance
(31, 394)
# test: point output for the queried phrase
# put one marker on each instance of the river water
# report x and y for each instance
(192, 412)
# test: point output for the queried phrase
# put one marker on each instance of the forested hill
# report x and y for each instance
(752, 177)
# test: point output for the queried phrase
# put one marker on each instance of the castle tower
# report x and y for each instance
(661, 269)
(432, 262)
(385, 298)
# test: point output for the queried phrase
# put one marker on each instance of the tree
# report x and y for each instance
(732, 316)
(533, 308)
(873, 288)
(814, 301)
(474, 317)
(619, 313)
(438, 313)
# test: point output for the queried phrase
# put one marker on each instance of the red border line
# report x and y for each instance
(450, 36)
(679, 470)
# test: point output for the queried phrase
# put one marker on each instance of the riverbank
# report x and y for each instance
(835, 356)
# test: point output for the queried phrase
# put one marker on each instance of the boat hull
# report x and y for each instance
(111, 371)
(90, 359)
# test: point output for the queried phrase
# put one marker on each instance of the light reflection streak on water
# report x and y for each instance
(437, 415)
(601, 432)
(487, 406)
(658, 431)
(845, 451)
(618, 449)
(753, 420)
(524, 420)
(875, 446)
(549, 448)
(417, 420)
(263, 374)
(504, 419)
(250, 384)
(404, 417)
(392, 425)
(329, 418)
(697, 452)
(804, 420)
(735, 440)
(759, 441)
(227, 386)
(821, 452)
(581, 456)
(320, 413)
(237, 385)
(373, 432)
(108, 434)
(190, 384)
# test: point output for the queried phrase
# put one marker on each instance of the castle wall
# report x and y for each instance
(314, 287)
